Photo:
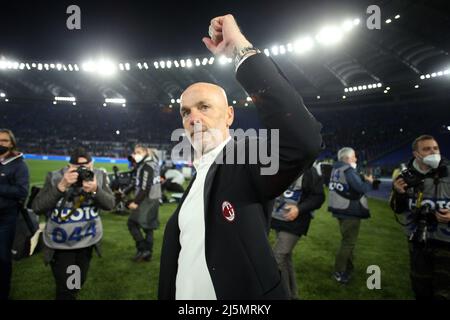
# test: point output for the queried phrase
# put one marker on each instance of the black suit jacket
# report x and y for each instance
(238, 253)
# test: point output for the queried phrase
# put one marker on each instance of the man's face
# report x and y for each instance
(5, 140)
(86, 164)
(206, 115)
(351, 158)
(425, 148)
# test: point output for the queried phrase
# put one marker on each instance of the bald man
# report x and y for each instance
(206, 116)
(215, 244)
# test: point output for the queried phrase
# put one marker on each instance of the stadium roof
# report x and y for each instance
(324, 47)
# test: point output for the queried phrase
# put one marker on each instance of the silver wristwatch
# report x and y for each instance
(243, 53)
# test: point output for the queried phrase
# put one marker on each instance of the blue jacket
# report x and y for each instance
(14, 182)
(358, 188)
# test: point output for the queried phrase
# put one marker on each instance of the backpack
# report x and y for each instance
(28, 238)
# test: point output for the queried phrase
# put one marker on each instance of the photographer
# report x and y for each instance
(14, 180)
(291, 217)
(71, 199)
(421, 194)
(145, 205)
(348, 203)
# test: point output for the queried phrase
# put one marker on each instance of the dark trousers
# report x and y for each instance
(282, 250)
(430, 275)
(7, 232)
(349, 231)
(60, 263)
(144, 242)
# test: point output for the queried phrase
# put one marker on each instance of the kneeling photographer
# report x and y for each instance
(421, 193)
(71, 199)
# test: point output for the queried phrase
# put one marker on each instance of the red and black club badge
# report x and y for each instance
(228, 211)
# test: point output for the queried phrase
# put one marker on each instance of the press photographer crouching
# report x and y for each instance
(421, 194)
(71, 199)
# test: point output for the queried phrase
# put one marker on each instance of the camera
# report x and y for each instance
(423, 217)
(411, 178)
(121, 183)
(376, 182)
(84, 174)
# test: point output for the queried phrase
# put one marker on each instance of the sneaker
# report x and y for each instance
(137, 257)
(146, 255)
(341, 277)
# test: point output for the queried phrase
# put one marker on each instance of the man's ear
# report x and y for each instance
(230, 116)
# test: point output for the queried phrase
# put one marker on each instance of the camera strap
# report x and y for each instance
(418, 206)
(76, 205)
(419, 200)
(436, 185)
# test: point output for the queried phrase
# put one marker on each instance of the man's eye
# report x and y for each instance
(204, 107)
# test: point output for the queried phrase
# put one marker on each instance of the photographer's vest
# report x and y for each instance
(83, 228)
(155, 190)
(290, 196)
(342, 198)
(438, 199)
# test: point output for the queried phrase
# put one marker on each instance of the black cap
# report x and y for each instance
(79, 153)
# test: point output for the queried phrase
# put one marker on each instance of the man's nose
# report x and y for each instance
(194, 117)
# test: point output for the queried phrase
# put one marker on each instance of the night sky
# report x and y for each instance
(153, 29)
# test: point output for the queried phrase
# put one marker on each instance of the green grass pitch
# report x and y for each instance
(115, 276)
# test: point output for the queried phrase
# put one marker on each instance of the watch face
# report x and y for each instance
(247, 49)
(243, 53)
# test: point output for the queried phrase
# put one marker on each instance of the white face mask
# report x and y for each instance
(432, 160)
(353, 165)
(138, 157)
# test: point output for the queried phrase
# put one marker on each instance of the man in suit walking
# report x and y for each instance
(216, 243)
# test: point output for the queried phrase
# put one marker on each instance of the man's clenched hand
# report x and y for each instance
(225, 38)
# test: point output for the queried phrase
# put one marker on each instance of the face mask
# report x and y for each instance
(432, 160)
(138, 157)
(353, 165)
(3, 150)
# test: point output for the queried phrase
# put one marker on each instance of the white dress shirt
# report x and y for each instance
(193, 280)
